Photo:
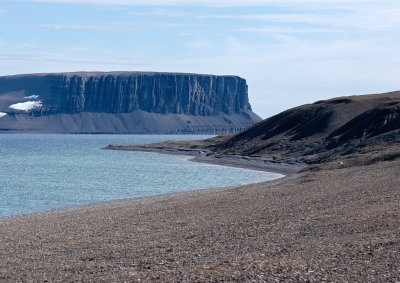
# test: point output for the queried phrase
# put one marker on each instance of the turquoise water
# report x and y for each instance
(43, 172)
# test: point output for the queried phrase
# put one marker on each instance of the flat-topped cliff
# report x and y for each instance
(125, 102)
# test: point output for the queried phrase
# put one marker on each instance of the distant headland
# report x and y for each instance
(124, 103)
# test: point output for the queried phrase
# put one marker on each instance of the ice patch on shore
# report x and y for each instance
(34, 96)
(26, 106)
(2, 114)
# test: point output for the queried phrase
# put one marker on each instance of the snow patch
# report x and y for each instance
(32, 96)
(26, 106)
(2, 114)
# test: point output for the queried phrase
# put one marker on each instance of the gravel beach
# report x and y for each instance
(338, 225)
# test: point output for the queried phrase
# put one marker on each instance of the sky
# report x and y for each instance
(291, 52)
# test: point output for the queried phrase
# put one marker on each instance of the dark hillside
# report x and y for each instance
(326, 130)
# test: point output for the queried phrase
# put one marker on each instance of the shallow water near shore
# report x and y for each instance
(40, 172)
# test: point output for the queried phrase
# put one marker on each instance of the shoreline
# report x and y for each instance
(127, 200)
(122, 201)
(242, 162)
(286, 167)
(330, 225)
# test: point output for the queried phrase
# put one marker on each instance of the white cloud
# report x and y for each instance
(160, 12)
(279, 30)
(222, 3)
(372, 17)
(70, 59)
(116, 25)
(361, 14)
(73, 26)
(153, 2)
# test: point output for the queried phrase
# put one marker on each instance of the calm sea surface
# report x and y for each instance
(43, 172)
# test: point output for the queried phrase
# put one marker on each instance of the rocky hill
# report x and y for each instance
(124, 102)
(355, 129)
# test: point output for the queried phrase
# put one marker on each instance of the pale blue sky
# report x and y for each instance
(290, 51)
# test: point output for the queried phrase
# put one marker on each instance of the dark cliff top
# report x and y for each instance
(114, 73)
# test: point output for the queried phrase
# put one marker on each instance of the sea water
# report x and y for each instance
(41, 172)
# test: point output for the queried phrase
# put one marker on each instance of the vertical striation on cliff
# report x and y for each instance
(130, 92)
(204, 95)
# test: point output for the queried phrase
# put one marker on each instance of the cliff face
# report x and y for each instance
(130, 92)
(125, 92)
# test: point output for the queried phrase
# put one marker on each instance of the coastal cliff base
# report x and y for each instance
(137, 122)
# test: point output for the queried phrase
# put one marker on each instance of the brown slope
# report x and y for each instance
(361, 129)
